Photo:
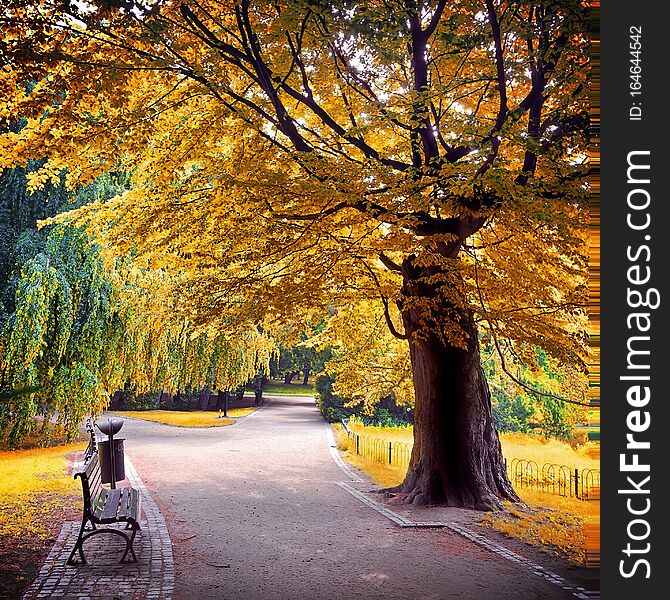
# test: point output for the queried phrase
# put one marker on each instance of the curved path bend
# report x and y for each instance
(254, 512)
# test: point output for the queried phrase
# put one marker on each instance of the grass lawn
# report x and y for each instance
(279, 388)
(37, 493)
(182, 418)
(563, 526)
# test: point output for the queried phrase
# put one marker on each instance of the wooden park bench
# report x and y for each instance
(92, 447)
(103, 506)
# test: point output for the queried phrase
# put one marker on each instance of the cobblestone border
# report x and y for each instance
(387, 512)
(335, 454)
(151, 578)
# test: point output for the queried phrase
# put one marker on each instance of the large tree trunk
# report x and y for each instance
(457, 457)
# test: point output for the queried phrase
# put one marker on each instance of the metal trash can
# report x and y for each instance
(106, 461)
(110, 452)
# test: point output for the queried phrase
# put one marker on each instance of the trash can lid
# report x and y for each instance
(109, 425)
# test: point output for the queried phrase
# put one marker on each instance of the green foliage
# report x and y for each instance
(187, 399)
(272, 388)
(392, 416)
(54, 343)
(332, 407)
(300, 357)
(511, 413)
(129, 399)
(556, 420)
(144, 401)
(385, 413)
(73, 329)
(20, 211)
(515, 407)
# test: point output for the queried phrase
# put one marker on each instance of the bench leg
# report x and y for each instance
(79, 545)
(129, 542)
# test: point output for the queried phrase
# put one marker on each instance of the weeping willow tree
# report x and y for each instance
(42, 273)
(79, 332)
(74, 328)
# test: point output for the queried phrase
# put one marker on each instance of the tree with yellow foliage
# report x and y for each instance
(424, 157)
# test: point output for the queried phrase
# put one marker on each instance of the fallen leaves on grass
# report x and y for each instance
(35, 487)
(180, 418)
(37, 493)
(555, 531)
(26, 472)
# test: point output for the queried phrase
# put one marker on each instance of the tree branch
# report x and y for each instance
(500, 66)
(389, 264)
(435, 19)
(389, 322)
(423, 128)
(236, 56)
(285, 123)
(387, 315)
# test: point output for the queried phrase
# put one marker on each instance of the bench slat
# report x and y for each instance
(122, 510)
(98, 503)
(135, 503)
(111, 506)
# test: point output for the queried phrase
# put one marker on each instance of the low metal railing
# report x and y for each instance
(378, 449)
(554, 479)
(562, 480)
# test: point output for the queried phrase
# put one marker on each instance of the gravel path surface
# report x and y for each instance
(254, 511)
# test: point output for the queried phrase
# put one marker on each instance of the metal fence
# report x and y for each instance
(524, 474)
(377, 449)
(554, 479)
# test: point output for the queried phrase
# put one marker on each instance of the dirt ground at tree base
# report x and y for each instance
(22, 557)
(255, 511)
(19, 563)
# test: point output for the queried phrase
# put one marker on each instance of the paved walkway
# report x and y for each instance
(260, 510)
(255, 512)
